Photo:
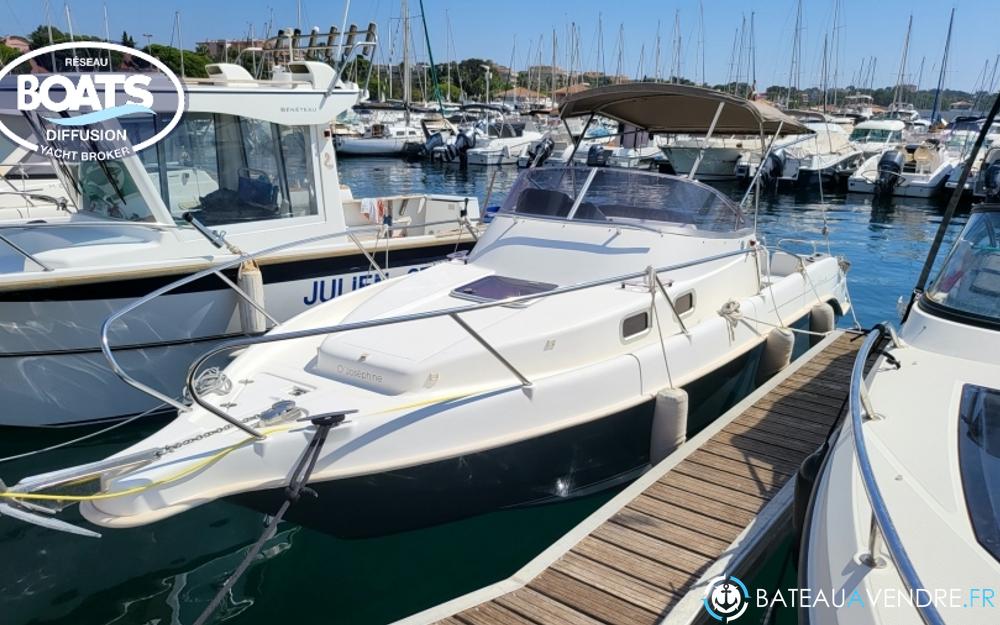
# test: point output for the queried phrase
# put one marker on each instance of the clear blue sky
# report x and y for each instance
(488, 30)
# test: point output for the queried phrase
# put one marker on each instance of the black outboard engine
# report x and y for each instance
(540, 151)
(460, 148)
(771, 169)
(991, 181)
(890, 166)
(434, 141)
(596, 156)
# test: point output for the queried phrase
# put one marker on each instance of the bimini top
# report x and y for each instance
(668, 108)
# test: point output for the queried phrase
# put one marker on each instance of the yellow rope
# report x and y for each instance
(198, 466)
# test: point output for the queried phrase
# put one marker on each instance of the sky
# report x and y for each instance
(511, 29)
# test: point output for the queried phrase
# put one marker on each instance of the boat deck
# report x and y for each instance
(711, 507)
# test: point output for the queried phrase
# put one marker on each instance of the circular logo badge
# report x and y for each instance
(726, 598)
(98, 101)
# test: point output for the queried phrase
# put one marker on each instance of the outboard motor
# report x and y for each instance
(596, 156)
(460, 148)
(540, 151)
(770, 170)
(434, 141)
(890, 166)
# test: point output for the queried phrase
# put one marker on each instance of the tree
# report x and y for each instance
(127, 40)
(8, 54)
(194, 63)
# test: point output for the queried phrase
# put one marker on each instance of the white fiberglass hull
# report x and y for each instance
(583, 376)
(502, 151)
(370, 146)
(917, 471)
(717, 163)
(909, 184)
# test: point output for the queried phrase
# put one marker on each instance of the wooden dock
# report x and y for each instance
(709, 507)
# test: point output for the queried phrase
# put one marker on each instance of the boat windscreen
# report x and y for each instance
(968, 285)
(623, 196)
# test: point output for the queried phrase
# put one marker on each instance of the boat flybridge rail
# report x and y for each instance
(882, 529)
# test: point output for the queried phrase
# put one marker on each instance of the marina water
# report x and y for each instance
(166, 573)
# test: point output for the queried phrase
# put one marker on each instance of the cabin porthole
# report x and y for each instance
(635, 325)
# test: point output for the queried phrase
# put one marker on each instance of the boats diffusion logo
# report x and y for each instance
(726, 598)
(85, 109)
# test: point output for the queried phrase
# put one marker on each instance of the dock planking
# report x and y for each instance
(637, 564)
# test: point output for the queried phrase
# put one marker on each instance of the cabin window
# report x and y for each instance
(634, 325)
(684, 303)
(227, 169)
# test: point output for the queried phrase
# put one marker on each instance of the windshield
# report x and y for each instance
(969, 281)
(979, 457)
(622, 196)
(877, 135)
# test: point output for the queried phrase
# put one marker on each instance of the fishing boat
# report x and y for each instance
(498, 142)
(873, 137)
(602, 311)
(905, 506)
(827, 157)
(912, 170)
(240, 161)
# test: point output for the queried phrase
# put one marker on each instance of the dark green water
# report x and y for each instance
(166, 573)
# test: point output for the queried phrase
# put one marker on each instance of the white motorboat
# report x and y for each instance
(959, 139)
(238, 161)
(903, 527)
(601, 311)
(875, 136)
(913, 170)
(380, 140)
(858, 106)
(500, 143)
(827, 157)
(719, 156)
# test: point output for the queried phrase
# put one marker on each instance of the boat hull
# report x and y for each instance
(576, 461)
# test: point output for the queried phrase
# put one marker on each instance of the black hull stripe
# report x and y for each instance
(274, 273)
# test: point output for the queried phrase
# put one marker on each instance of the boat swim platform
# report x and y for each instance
(714, 506)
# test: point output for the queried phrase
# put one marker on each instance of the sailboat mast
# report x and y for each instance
(656, 69)
(935, 112)
(793, 70)
(701, 39)
(897, 92)
(406, 61)
(552, 87)
(824, 73)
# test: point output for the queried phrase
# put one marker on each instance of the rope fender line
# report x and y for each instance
(202, 464)
(293, 492)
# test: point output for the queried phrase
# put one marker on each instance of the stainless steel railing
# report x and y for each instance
(453, 312)
(462, 222)
(882, 529)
